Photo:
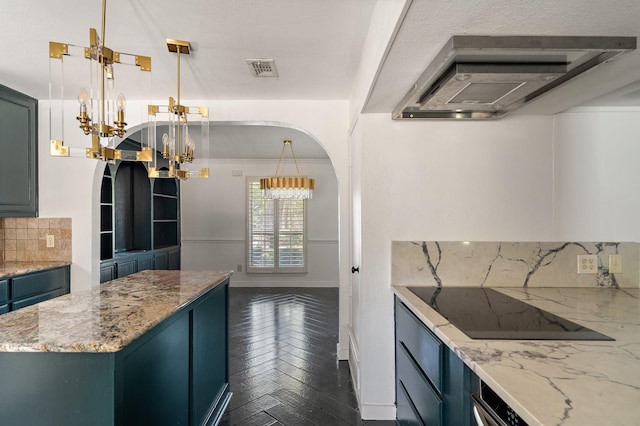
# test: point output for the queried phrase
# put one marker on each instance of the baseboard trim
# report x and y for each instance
(354, 363)
(342, 352)
(378, 411)
(323, 284)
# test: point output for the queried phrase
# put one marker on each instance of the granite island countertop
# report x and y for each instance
(105, 318)
(12, 269)
(558, 382)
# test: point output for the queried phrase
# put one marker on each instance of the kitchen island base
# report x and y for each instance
(176, 373)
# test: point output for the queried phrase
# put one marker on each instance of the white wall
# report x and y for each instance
(214, 223)
(597, 172)
(488, 180)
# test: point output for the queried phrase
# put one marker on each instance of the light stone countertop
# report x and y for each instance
(105, 318)
(12, 269)
(558, 382)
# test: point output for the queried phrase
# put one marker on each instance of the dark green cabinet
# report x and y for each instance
(4, 296)
(155, 378)
(126, 267)
(145, 261)
(210, 358)
(174, 374)
(127, 263)
(18, 154)
(433, 385)
(108, 271)
(25, 290)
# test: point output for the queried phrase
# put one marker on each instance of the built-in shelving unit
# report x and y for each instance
(139, 220)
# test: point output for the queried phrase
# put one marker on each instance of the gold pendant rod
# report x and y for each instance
(293, 154)
(284, 145)
(104, 20)
(178, 118)
(102, 64)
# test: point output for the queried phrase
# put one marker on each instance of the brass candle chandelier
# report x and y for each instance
(187, 126)
(101, 110)
(287, 187)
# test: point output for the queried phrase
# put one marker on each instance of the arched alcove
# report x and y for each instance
(132, 208)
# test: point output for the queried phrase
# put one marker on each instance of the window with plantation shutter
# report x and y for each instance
(276, 233)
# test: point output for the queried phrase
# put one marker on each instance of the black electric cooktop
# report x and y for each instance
(483, 313)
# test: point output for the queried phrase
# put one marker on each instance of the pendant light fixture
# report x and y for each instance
(187, 135)
(287, 187)
(102, 107)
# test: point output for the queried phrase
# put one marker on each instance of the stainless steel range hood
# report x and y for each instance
(485, 77)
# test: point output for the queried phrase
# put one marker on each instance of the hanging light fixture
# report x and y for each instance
(187, 125)
(101, 109)
(286, 187)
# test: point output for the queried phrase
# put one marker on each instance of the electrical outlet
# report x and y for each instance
(239, 268)
(615, 263)
(51, 242)
(587, 263)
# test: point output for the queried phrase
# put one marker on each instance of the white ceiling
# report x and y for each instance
(316, 44)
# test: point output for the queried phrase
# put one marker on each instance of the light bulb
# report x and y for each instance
(121, 102)
(165, 139)
(83, 96)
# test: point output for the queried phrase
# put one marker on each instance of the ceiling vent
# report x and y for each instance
(262, 67)
(480, 77)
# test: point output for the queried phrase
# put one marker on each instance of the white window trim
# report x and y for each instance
(276, 269)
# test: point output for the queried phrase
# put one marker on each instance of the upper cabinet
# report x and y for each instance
(18, 154)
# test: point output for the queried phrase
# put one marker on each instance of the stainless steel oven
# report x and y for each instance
(491, 410)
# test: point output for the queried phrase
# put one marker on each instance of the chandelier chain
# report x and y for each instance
(293, 154)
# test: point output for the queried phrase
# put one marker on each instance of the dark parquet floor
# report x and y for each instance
(282, 360)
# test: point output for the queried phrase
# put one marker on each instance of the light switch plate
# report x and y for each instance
(51, 242)
(587, 263)
(615, 263)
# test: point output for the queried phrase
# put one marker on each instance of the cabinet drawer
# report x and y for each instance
(22, 303)
(405, 412)
(424, 398)
(126, 267)
(422, 345)
(145, 263)
(4, 291)
(107, 272)
(39, 282)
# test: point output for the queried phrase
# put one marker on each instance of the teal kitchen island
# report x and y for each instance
(150, 348)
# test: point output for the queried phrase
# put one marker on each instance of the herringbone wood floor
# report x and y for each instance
(282, 360)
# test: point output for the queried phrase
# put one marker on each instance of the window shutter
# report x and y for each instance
(261, 229)
(291, 233)
(276, 233)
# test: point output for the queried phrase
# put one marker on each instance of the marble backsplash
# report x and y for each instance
(510, 264)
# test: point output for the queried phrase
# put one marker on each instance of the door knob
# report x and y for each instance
(354, 269)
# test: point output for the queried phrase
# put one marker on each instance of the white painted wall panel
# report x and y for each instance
(597, 197)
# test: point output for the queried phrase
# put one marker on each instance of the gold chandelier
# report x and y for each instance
(178, 145)
(102, 111)
(287, 187)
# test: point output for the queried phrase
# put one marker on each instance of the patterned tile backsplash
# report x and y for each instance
(25, 239)
(511, 264)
